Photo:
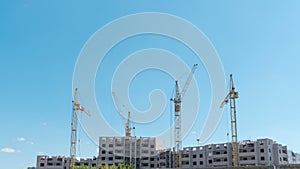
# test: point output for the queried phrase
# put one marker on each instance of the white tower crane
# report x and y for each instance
(177, 104)
(76, 108)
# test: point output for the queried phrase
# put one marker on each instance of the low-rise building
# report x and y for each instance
(262, 152)
(293, 158)
(62, 162)
(148, 152)
(141, 151)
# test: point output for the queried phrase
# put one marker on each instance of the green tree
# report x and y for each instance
(103, 166)
(81, 167)
(120, 166)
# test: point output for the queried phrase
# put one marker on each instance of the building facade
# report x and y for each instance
(148, 152)
(293, 158)
(140, 151)
(262, 152)
(62, 162)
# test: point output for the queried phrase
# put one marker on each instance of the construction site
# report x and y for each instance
(149, 152)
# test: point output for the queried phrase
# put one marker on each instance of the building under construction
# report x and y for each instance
(145, 152)
(149, 152)
(129, 150)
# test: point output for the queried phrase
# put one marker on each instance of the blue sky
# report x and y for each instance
(40, 40)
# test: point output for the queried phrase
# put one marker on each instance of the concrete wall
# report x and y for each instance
(126, 150)
(143, 153)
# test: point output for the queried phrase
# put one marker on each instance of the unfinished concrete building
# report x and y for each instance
(62, 162)
(262, 152)
(141, 151)
(148, 152)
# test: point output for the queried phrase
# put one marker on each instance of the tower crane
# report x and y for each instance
(128, 127)
(232, 95)
(76, 108)
(177, 105)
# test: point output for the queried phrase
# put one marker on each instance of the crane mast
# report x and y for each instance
(231, 96)
(128, 127)
(177, 104)
(76, 107)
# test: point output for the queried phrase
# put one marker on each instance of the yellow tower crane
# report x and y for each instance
(177, 104)
(76, 108)
(232, 95)
(128, 127)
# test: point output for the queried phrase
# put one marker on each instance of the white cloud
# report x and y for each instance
(8, 150)
(21, 139)
(30, 142)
